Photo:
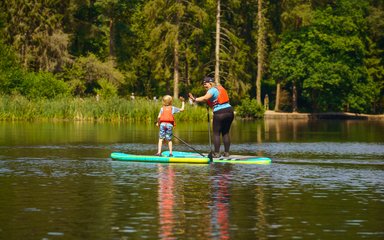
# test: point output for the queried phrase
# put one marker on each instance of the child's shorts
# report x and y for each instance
(166, 131)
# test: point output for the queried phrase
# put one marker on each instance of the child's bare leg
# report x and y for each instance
(159, 145)
(170, 147)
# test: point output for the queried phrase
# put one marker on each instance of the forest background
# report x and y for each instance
(306, 55)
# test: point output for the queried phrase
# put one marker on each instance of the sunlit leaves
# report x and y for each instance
(326, 59)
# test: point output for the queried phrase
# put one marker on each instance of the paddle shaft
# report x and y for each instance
(181, 140)
(209, 130)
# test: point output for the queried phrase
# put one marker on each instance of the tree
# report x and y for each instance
(260, 48)
(217, 43)
(88, 74)
(34, 30)
(107, 14)
(111, 15)
(294, 14)
(235, 54)
(325, 60)
(375, 52)
(166, 29)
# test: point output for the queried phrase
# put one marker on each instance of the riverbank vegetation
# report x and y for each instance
(109, 109)
(57, 57)
(91, 109)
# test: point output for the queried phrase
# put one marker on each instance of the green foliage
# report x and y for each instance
(331, 51)
(86, 73)
(250, 108)
(15, 80)
(159, 28)
(11, 74)
(84, 21)
(17, 107)
(107, 89)
(375, 54)
(234, 59)
(35, 32)
(43, 85)
(325, 60)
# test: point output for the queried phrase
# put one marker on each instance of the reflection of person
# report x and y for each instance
(167, 204)
(221, 203)
(217, 98)
(166, 121)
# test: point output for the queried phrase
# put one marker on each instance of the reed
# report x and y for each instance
(89, 109)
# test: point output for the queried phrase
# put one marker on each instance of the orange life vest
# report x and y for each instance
(222, 98)
(167, 116)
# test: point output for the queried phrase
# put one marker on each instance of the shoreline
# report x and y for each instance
(269, 114)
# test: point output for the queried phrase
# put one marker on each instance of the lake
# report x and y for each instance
(326, 181)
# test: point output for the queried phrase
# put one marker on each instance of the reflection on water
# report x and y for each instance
(166, 199)
(220, 205)
(326, 182)
(326, 130)
(116, 199)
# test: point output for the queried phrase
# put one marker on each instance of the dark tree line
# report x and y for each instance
(307, 55)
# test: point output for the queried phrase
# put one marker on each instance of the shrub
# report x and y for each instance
(43, 85)
(107, 89)
(87, 74)
(249, 108)
(11, 74)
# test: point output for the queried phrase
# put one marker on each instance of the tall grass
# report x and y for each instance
(88, 109)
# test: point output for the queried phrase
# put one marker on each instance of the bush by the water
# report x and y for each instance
(249, 108)
(42, 85)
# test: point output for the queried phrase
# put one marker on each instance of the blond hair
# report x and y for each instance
(167, 100)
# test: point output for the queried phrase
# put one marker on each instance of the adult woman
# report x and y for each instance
(217, 98)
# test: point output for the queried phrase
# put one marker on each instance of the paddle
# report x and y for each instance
(209, 135)
(181, 140)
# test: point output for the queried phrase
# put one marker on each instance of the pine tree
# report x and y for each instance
(34, 30)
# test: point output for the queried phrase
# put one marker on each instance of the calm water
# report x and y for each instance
(326, 182)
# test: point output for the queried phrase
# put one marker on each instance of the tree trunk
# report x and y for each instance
(260, 49)
(111, 42)
(176, 63)
(187, 80)
(176, 72)
(294, 97)
(277, 102)
(314, 103)
(217, 47)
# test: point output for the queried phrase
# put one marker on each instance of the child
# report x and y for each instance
(166, 122)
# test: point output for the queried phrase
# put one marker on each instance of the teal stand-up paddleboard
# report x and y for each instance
(189, 157)
(159, 159)
(231, 159)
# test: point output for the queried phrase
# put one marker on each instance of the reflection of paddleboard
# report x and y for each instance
(147, 158)
(231, 159)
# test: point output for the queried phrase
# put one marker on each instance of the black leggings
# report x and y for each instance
(222, 121)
